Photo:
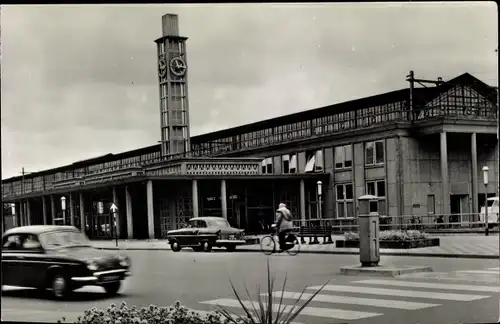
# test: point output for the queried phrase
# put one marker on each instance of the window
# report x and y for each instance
(196, 224)
(374, 153)
(311, 160)
(177, 117)
(314, 161)
(345, 202)
(431, 204)
(12, 242)
(177, 133)
(31, 243)
(343, 156)
(293, 163)
(286, 163)
(377, 188)
(177, 146)
(267, 166)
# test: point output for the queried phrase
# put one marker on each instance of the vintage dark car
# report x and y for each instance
(59, 258)
(203, 233)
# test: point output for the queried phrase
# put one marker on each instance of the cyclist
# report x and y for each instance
(284, 225)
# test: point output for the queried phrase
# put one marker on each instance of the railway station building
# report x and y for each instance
(420, 150)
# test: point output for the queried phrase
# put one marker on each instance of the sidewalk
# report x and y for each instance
(470, 246)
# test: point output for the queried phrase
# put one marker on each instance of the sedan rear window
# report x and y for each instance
(12, 242)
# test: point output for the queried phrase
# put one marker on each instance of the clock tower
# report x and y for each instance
(172, 79)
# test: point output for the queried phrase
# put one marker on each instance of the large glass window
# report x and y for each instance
(374, 153)
(177, 132)
(314, 161)
(177, 117)
(177, 146)
(285, 163)
(345, 201)
(377, 188)
(267, 165)
(343, 156)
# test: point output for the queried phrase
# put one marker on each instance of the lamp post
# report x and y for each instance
(485, 180)
(63, 207)
(320, 192)
(13, 212)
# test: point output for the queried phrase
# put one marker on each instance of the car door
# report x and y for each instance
(33, 263)
(11, 260)
(203, 229)
(188, 236)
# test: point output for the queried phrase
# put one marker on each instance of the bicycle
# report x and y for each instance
(269, 243)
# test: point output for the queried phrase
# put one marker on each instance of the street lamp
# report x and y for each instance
(320, 192)
(13, 211)
(63, 207)
(485, 180)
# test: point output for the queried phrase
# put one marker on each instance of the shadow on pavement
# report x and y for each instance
(76, 296)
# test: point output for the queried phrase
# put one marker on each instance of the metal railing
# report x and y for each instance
(425, 223)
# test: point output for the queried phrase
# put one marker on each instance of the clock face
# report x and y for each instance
(162, 67)
(178, 66)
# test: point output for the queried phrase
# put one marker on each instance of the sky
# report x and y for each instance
(80, 81)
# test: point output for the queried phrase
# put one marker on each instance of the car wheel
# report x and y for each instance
(112, 287)
(207, 247)
(175, 246)
(231, 248)
(60, 286)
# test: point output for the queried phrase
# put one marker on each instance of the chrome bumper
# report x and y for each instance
(238, 242)
(97, 275)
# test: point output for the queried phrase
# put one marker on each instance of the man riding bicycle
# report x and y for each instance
(284, 225)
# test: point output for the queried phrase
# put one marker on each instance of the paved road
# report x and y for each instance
(459, 290)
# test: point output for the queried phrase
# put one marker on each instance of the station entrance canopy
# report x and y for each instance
(188, 168)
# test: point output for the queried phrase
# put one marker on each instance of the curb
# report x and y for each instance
(403, 254)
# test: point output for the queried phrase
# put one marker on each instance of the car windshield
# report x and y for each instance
(492, 203)
(58, 239)
(218, 223)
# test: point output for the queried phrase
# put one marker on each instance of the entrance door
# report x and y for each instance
(100, 226)
(459, 205)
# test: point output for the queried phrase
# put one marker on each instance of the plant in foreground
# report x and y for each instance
(391, 235)
(124, 314)
(265, 311)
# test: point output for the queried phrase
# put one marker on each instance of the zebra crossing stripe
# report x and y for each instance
(497, 269)
(450, 277)
(488, 272)
(308, 311)
(385, 303)
(430, 285)
(400, 293)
